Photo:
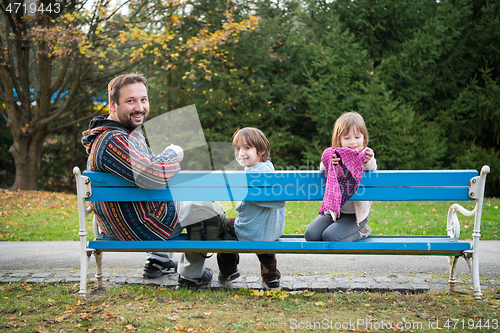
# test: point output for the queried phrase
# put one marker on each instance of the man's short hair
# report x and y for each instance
(118, 82)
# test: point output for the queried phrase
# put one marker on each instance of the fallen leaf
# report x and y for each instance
(257, 293)
(71, 310)
(85, 315)
(59, 319)
(41, 330)
(108, 315)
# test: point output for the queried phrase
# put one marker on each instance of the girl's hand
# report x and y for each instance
(369, 155)
(335, 159)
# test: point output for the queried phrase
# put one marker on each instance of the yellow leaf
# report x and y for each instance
(261, 327)
(257, 293)
(236, 297)
(319, 304)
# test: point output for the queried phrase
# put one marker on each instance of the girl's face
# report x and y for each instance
(353, 140)
(246, 155)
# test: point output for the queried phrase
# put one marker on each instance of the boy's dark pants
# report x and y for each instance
(229, 261)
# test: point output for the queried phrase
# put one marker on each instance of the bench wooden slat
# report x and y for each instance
(378, 178)
(287, 185)
(422, 245)
(217, 194)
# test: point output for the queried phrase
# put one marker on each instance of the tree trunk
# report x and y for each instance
(27, 152)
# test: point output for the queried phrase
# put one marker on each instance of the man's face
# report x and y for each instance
(133, 107)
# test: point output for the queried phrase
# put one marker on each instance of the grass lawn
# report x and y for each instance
(36, 216)
(48, 307)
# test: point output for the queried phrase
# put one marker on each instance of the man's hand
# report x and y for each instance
(178, 150)
(369, 155)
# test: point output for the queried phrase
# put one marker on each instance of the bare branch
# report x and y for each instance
(4, 116)
(61, 77)
(122, 5)
(9, 17)
(67, 103)
(66, 125)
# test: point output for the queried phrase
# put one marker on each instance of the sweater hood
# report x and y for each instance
(97, 126)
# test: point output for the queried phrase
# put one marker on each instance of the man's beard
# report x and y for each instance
(131, 125)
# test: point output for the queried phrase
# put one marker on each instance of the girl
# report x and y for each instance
(341, 220)
(257, 220)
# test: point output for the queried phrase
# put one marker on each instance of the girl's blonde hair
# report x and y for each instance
(343, 126)
(254, 138)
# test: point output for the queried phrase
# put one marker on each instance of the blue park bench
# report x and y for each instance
(386, 185)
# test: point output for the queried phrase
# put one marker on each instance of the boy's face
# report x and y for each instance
(246, 155)
(353, 140)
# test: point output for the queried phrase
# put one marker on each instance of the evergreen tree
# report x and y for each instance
(341, 77)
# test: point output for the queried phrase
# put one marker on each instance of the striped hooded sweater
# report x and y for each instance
(116, 149)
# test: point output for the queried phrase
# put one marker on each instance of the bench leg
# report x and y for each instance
(474, 269)
(98, 264)
(84, 267)
(452, 262)
(475, 278)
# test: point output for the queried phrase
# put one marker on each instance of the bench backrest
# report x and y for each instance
(382, 185)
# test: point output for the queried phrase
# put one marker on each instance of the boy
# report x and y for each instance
(257, 220)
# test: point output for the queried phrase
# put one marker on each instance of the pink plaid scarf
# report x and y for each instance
(342, 180)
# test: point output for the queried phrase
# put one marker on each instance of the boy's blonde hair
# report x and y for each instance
(343, 126)
(254, 138)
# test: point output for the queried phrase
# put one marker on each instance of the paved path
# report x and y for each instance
(59, 262)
